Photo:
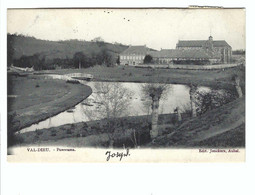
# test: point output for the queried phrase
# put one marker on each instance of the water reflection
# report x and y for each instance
(116, 100)
(111, 100)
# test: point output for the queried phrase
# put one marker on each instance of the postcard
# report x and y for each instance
(126, 85)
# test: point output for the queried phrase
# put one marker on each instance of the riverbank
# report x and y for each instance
(221, 127)
(218, 128)
(211, 78)
(73, 134)
(33, 99)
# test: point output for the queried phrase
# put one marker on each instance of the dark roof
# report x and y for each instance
(200, 43)
(136, 50)
(182, 53)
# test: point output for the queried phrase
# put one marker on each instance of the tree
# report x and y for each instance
(118, 60)
(155, 92)
(237, 85)
(80, 60)
(10, 49)
(147, 59)
(35, 61)
(104, 58)
(113, 101)
(98, 39)
(192, 93)
(208, 100)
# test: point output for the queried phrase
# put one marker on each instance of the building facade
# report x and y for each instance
(134, 55)
(189, 56)
(218, 48)
(187, 52)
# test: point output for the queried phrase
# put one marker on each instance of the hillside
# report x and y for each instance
(221, 127)
(29, 46)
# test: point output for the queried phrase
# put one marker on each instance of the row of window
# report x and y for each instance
(131, 57)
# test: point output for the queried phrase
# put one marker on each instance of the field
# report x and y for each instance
(211, 78)
(33, 98)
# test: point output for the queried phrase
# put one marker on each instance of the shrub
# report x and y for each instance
(68, 131)
(53, 133)
(213, 99)
(38, 132)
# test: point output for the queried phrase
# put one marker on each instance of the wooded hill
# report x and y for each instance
(19, 45)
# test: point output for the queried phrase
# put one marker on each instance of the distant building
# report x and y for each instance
(133, 55)
(179, 56)
(219, 47)
(186, 52)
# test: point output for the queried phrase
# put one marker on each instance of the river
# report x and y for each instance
(116, 100)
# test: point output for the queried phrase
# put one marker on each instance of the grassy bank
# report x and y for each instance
(81, 131)
(210, 78)
(221, 127)
(33, 99)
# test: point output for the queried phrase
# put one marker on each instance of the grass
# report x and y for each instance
(38, 98)
(83, 129)
(39, 103)
(210, 78)
(220, 127)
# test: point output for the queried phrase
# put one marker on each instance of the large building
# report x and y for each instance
(134, 55)
(179, 56)
(219, 47)
(186, 52)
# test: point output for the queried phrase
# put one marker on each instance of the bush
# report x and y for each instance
(53, 133)
(13, 126)
(213, 99)
(38, 132)
(68, 131)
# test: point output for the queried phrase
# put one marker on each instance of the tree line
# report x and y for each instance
(45, 60)
(79, 60)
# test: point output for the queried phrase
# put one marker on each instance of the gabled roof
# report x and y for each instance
(200, 43)
(182, 53)
(136, 50)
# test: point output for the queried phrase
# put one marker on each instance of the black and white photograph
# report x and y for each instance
(126, 85)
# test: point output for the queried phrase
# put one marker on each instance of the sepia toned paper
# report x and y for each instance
(126, 85)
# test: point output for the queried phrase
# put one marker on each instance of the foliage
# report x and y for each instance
(118, 60)
(59, 54)
(147, 59)
(13, 126)
(113, 101)
(151, 89)
(10, 49)
(104, 58)
(80, 60)
(208, 100)
(35, 61)
(238, 52)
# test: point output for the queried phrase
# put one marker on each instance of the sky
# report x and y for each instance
(155, 28)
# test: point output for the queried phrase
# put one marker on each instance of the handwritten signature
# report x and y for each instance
(119, 155)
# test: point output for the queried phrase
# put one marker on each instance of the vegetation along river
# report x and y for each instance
(117, 99)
